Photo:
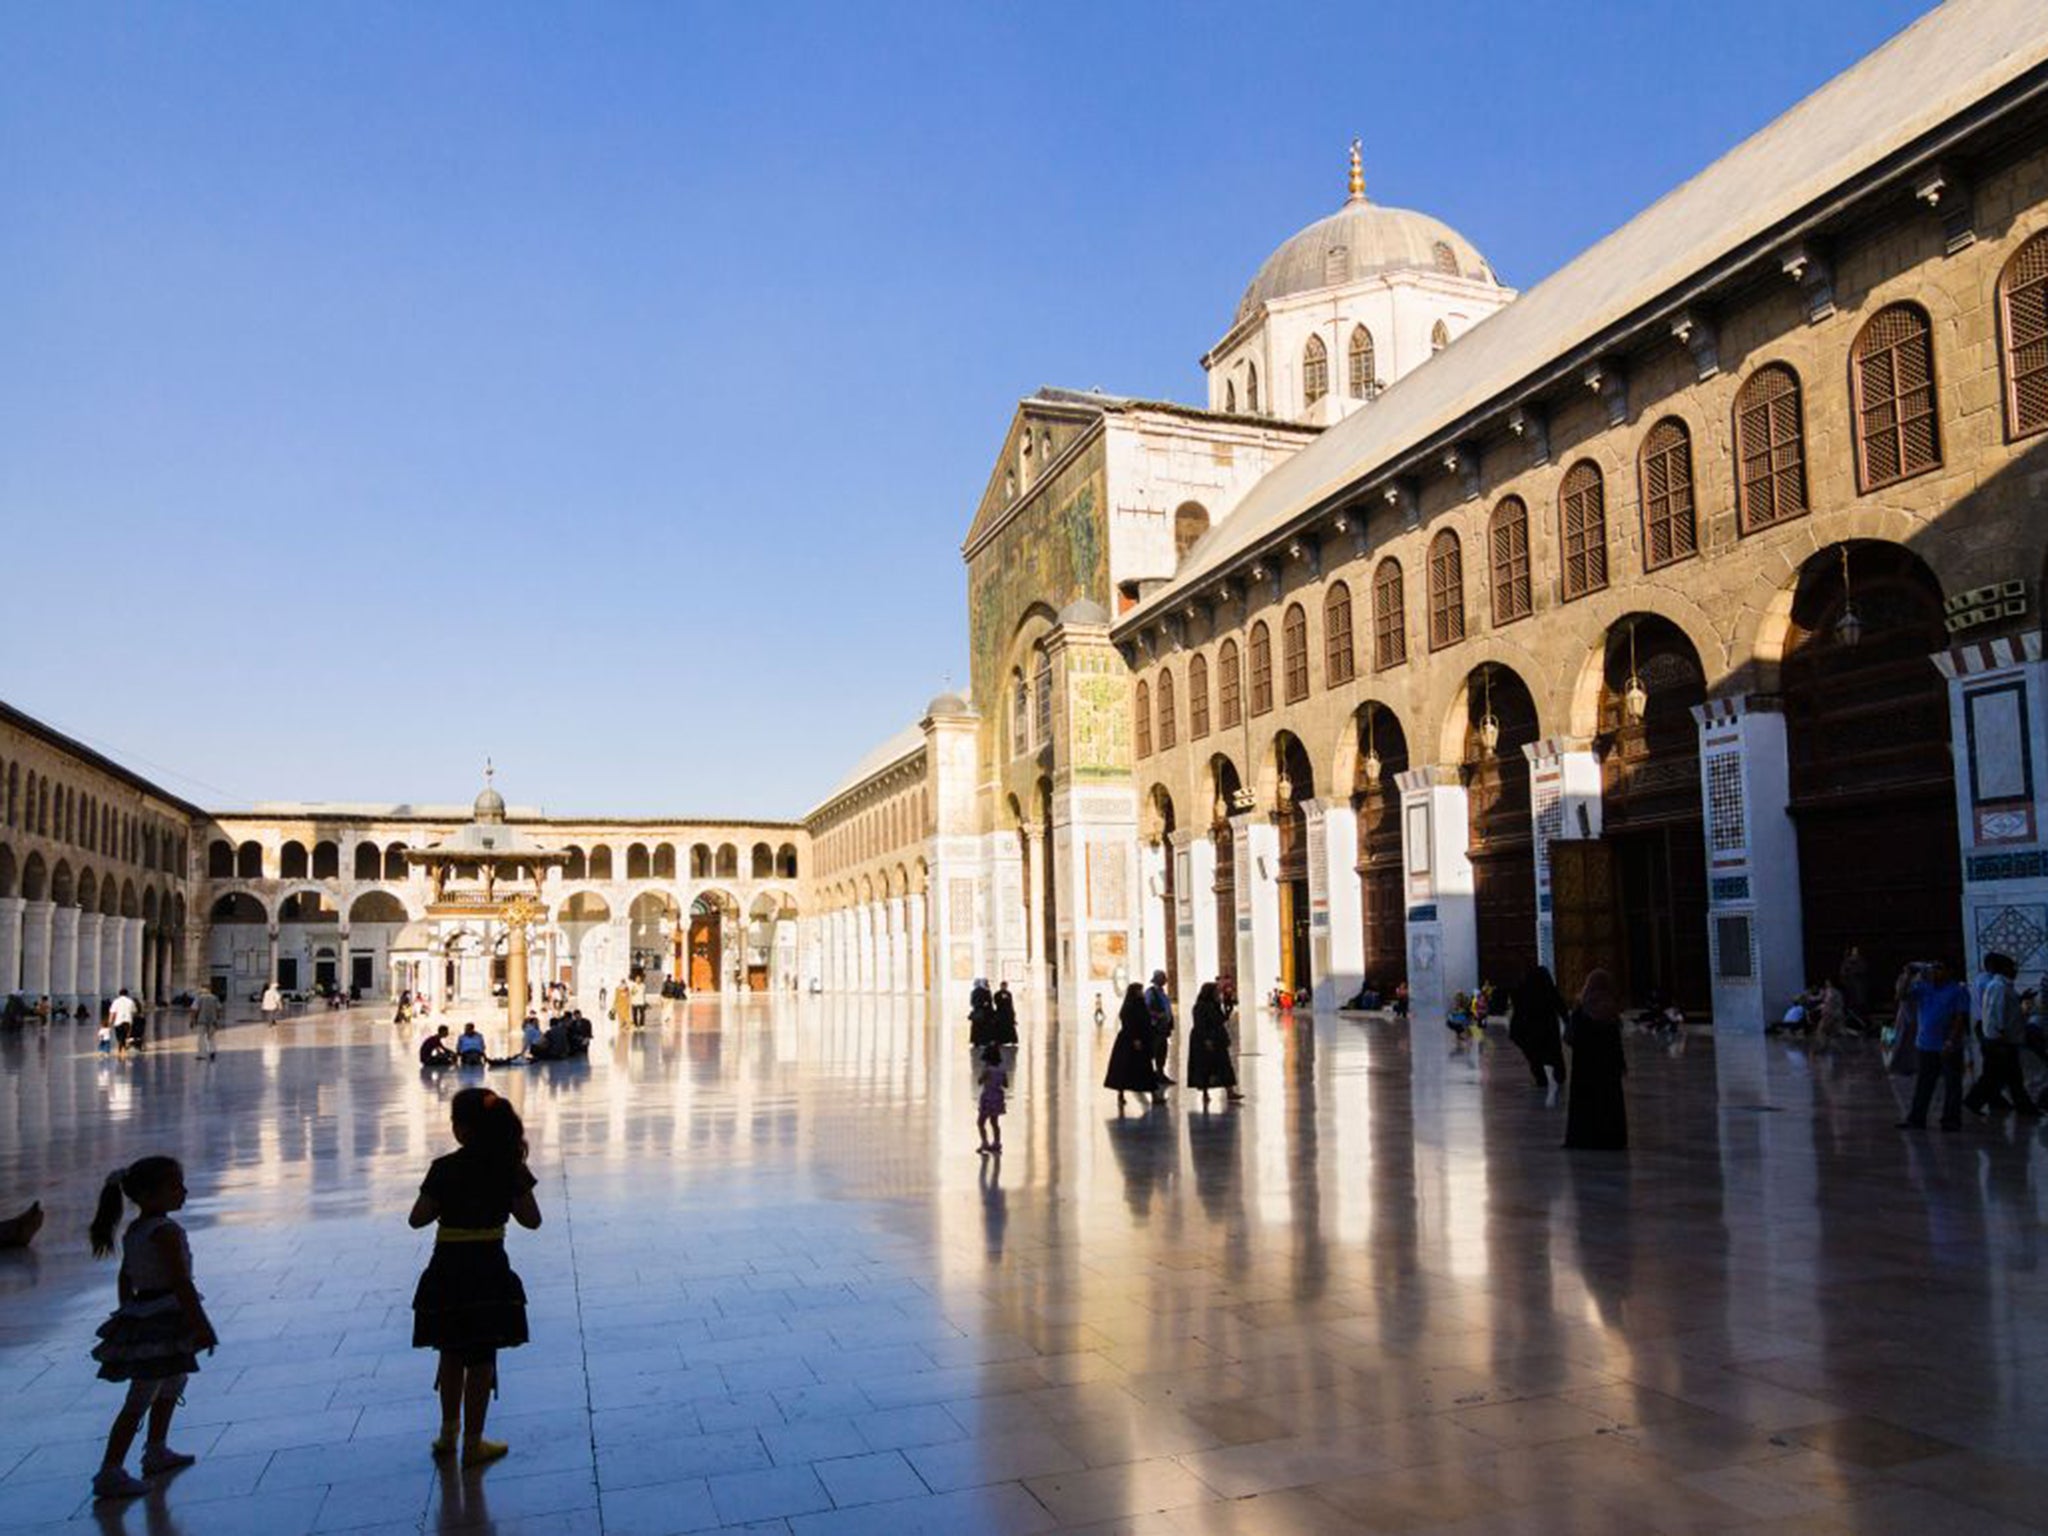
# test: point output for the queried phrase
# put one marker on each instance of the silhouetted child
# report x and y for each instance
(994, 1080)
(470, 1304)
(153, 1339)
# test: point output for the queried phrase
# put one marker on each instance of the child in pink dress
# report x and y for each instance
(993, 1081)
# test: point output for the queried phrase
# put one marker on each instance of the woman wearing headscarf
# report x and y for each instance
(1539, 1011)
(1598, 1117)
(1130, 1058)
(1209, 1064)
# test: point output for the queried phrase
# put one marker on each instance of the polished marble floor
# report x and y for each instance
(777, 1290)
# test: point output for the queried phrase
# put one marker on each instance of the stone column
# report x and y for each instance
(1195, 891)
(899, 947)
(1755, 942)
(1998, 730)
(64, 956)
(1564, 806)
(341, 976)
(1336, 905)
(35, 947)
(866, 940)
(1443, 919)
(272, 972)
(1030, 887)
(131, 952)
(89, 990)
(11, 908)
(915, 924)
(1257, 847)
(110, 954)
(1152, 918)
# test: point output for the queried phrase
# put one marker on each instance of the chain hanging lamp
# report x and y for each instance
(1848, 627)
(1372, 764)
(1489, 724)
(1635, 698)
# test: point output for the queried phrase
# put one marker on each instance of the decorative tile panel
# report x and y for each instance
(1724, 802)
(2021, 932)
(2007, 866)
(1725, 888)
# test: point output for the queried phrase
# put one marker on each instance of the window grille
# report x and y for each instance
(1670, 526)
(1893, 370)
(1144, 720)
(1262, 668)
(1198, 697)
(1339, 663)
(1315, 370)
(2023, 312)
(1446, 591)
(1294, 652)
(1229, 684)
(1507, 539)
(1168, 726)
(1389, 622)
(1362, 376)
(1582, 516)
(1770, 448)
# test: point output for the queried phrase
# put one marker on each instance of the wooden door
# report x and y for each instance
(1585, 914)
(1504, 891)
(704, 953)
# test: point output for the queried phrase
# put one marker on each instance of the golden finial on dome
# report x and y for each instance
(1357, 174)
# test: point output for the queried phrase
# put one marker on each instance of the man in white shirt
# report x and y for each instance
(205, 1023)
(121, 1014)
(273, 1000)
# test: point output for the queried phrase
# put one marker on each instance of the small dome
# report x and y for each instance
(948, 704)
(1084, 610)
(1359, 239)
(490, 807)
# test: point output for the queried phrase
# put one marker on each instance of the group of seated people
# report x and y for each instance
(566, 1036)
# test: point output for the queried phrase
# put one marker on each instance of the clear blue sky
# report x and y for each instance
(607, 387)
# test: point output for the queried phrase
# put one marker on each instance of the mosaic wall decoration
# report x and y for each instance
(1099, 724)
(1724, 803)
(960, 907)
(2021, 932)
(1109, 895)
(1725, 888)
(2006, 866)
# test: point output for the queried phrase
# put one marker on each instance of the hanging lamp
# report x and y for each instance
(1635, 698)
(1372, 764)
(1489, 726)
(1849, 627)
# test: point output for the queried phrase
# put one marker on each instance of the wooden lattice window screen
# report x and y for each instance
(1582, 519)
(1896, 435)
(1144, 721)
(1041, 681)
(1507, 539)
(1168, 726)
(1446, 591)
(2023, 310)
(1670, 524)
(1339, 661)
(1294, 652)
(1770, 448)
(1362, 379)
(1262, 668)
(1389, 622)
(1198, 697)
(1315, 370)
(1229, 687)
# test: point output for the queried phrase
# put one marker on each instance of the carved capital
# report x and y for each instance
(1943, 188)
(1694, 330)
(1532, 425)
(1608, 380)
(1808, 266)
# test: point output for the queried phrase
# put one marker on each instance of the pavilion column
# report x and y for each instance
(341, 975)
(35, 946)
(1257, 842)
(64, 956)
(1152, 857)
(272, 972)
(1442, 916)
(1335, 902)
(1755, 936)
(915, 937)
(11, 908)
(1195, 896)
(1564, 806)
(1037, 964)
(89, 990)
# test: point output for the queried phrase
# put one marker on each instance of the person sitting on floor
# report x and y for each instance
(434, 1050)
(469, 1049)
(529, 1034)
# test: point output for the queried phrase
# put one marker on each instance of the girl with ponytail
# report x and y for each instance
(470, 1304)
(153, 1339)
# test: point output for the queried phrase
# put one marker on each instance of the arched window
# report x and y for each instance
(1582, 521)
(1364, 382)
(1294, 653)
(1230, 396)
(1144, 719)
(1892, 368)
(1251, 388)
(1770, 448)
(1168, 726)
(1315, 370)
(1339, 661)
(1020, 715)
(1670, 525)
(1439, 336)
(1446, 591)
(1507, 553)
(1041, 681)
(1444, 257)
(2023, 318)
(1198, 697)
(1229, 686)
(1190, 522)
(1262, 668)
(1389, 621)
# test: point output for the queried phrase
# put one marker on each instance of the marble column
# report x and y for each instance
(90, 991)
(110, 954)
(1336, 904)
(865, 937)
(1443, 917)
(10, 944)
(899, 948)
(1195, 890)
(1755, 941)
(131, 951)
(1564, 806)
(272, 972)
(35, 947)
(915, 921)
(1257, 845)
(1032, 885)
(1152, 914)
(64, 956)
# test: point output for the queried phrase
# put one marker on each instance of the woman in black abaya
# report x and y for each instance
(1130, 1058)
(1598, 1117)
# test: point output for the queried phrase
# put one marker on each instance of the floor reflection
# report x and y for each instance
(778, 1288)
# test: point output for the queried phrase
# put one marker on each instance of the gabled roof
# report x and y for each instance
(904, 744)
(1943, 64)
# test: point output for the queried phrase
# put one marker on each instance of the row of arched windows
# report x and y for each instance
(40, 806)
(880, 829)
(1363, 381)
(295, 861)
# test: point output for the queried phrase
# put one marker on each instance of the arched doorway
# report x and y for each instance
(1376, 798)
(1048, 890)
(707, 941)
(583, 920)
(652, 922)
(1295, 783)
(1221, 807)
(1500, 720)
(1649, 744)
(1872, 774)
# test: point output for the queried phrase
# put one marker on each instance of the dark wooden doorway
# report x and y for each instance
(1502, 842)
(1376, 798)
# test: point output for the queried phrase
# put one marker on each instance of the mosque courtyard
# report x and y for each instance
(777, 1290)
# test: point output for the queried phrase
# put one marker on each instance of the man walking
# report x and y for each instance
(2000, 1024)
(121, 1014)
(1159, 1009)
(205, 1023)
(1941, 1010)
(273, 1000)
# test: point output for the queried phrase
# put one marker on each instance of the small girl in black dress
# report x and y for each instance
(470, 1304)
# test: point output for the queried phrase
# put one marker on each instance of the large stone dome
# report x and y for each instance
(1357, 240)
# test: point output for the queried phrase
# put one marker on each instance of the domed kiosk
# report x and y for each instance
(1346, 306)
